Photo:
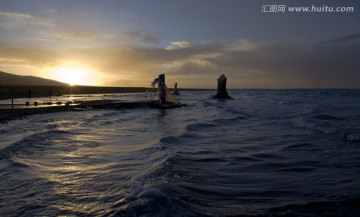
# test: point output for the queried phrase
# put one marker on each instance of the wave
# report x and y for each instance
(230, 120)
(200, 126)
(31, 143)
(301, 148)
(324, 124)
(158, 192)
(327, 117)
(313, 124)
(352, 136)
(348, 207)
(151, 203)
(289, 102)
(148, 194)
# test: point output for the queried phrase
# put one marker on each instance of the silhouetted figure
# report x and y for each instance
(176, 91)
(221, 90)
(164, 94)
(161, 86)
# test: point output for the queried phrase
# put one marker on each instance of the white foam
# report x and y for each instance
(353, 136)
(311, 124)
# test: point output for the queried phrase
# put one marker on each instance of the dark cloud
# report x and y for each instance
(275, 65)
(54, 30)
(143, 36)
(344, 39)
(279, 66)
(83, 35)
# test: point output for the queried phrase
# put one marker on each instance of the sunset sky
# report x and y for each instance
(130, 42)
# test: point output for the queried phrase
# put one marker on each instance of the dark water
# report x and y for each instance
(264, 153)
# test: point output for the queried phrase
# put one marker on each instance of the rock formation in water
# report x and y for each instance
(221, 90)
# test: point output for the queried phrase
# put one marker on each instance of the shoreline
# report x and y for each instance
(28, 91)
(7, 115)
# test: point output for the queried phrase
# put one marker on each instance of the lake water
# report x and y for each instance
(263, 153)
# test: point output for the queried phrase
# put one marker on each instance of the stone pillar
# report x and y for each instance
(221, 90)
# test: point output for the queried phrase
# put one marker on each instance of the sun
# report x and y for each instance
(72, 75)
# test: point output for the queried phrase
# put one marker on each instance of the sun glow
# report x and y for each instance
(72, 75)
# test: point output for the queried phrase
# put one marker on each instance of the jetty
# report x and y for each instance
(165, 100)
(9, 114)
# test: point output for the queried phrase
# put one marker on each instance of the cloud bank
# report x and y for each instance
(246, 63)
(13, 19)
(38, 28)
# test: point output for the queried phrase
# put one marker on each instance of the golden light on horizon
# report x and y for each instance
(72, 75)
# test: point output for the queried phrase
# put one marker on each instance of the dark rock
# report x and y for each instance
(221, 91)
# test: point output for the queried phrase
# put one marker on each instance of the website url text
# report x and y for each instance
(302, 9)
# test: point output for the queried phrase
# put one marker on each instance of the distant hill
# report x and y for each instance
(7, 79)
(20, 86)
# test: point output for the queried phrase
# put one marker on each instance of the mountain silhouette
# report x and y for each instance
(7, 79)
